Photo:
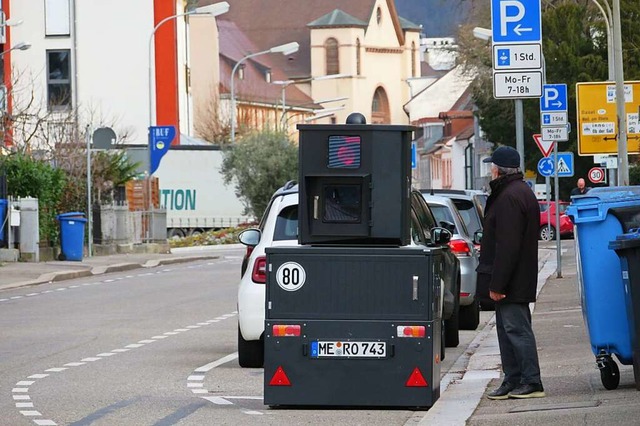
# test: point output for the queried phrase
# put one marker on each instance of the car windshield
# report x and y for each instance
(287, 224)
(469, 215)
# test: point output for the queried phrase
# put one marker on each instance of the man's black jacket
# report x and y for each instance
(509, 247)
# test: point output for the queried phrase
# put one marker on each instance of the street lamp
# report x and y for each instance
(212, 10)
(284, 84)
(286, 49)
(23, 45)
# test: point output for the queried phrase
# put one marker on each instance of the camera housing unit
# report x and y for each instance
(354, 184)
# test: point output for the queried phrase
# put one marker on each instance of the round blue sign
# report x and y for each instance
(546, 166)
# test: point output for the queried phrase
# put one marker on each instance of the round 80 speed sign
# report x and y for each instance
(291, 276)
(596, 175)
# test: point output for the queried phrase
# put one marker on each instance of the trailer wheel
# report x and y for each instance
(470, 315)
(609, 373)
(250, 352)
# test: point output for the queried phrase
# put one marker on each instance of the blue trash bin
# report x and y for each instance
(72, 235)
(599, 217)
(3, 218)
(627, 247)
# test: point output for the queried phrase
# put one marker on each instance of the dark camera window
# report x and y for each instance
(342, 203)
(344, 152)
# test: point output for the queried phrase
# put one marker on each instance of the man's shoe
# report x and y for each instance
(532, 390)
(502, 392)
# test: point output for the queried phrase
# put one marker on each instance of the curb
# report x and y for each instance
(50, 277)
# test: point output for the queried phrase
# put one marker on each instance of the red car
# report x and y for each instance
(549, 232)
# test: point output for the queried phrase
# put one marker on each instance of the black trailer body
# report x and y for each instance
(353, 326)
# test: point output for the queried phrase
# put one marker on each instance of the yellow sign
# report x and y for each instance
(597, 118)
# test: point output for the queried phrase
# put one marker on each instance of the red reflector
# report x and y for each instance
(280, 330)
(464, 294)
(416, 379)
(460, 247)
(259, 274)
(280, 378)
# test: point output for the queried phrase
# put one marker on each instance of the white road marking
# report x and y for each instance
(108, 281)
(38, 376)
(45, 423)
(212, 321)
(228, 315)
(32, 294)
(15, 297)
(47, 291)
(3, 300)
(203, 323)
(217, 363)
(74, 286)
(61, 289)
(253, 412)
(196, 387)
(217, 400)
(257, 398)
(221, 318)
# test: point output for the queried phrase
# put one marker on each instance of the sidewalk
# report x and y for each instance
(575, 394)
(19, 274)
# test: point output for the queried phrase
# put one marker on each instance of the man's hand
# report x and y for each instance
(496, 297)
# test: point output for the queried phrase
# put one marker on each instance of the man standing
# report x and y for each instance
(581, 189)
(509, 269)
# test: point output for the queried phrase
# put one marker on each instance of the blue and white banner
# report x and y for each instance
(160, 139)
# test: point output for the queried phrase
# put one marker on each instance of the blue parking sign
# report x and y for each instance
(554, 98)
(516, 21)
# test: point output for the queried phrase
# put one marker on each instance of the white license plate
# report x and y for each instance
(348, 349)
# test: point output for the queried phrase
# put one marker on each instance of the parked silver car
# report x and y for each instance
(462, 245)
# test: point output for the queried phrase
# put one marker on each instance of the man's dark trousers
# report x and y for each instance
(518, 350)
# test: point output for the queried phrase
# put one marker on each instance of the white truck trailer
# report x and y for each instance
(193, 192)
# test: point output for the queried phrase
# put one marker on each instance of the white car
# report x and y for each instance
(278, 228)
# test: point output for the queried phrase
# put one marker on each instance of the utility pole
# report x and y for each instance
(623, 160)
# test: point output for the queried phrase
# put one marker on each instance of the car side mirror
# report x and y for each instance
(440, 236)
(250, 237)
(477, 237)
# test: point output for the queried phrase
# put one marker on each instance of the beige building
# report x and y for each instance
(353, 56)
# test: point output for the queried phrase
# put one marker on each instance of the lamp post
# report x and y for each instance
(285, 83)
(212, 10)
(23, 45)
(285, 49)
(623, 160)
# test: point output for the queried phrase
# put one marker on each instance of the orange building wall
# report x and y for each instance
(166, 69)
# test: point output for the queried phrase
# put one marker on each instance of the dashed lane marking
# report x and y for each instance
(21, 389)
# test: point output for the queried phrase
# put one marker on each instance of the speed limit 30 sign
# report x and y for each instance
(597, 175)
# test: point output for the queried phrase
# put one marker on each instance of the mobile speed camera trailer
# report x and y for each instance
(353, 315)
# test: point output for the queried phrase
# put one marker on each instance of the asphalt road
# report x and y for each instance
(146, 347)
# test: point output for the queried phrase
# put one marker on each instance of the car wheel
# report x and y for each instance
(547, 233)
(451, 326)
(470, 316)
(250, 352)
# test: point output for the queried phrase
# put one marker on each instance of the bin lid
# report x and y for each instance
(70, 215)
(594, 204)
(626, 241)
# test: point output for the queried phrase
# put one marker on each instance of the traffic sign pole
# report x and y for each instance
(557, 194)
